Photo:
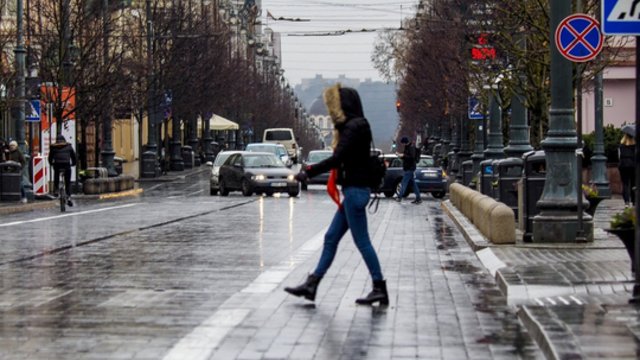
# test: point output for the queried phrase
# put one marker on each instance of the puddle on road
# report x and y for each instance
(444, 234)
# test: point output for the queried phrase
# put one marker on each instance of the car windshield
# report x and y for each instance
(220, 159)
(426, 162)
(261, 148)
(281, 151)
(262, 161)
(315, 157)
(278, 135)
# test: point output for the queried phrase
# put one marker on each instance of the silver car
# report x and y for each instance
(222, 156)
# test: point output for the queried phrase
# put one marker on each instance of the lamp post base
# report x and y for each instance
(560, 227)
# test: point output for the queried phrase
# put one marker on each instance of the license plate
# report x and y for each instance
(279, 184)
(430, 174)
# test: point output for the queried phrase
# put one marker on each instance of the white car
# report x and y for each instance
(279, 150)
(214, 185)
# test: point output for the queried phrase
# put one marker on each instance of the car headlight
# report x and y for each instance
(258, 177)
(291, 177)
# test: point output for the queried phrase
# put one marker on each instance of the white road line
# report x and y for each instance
(576, 300)
(550, 300)
(66, 215)
(563, 300)
(200, 343)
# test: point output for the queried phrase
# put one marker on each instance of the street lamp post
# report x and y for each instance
(150, 164)
(20, 52)
(558, 218)
(518, 129)
(599, 160)
(107, 152)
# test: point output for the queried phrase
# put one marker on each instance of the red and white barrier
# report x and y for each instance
(40, 183)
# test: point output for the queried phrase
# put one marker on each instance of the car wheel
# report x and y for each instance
(388, 193)
(268, 193)
(294, 193)
(438, 194)
(303, 185)
(223, 188)
(213, 192)
(246, 188)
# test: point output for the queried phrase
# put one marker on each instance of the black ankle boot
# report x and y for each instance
(307, 289)
(379, 293)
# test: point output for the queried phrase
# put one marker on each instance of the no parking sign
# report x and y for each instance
(578, 38)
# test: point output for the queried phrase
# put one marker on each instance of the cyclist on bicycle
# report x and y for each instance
(62, 157)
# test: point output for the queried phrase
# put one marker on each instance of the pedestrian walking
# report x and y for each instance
(352, 141)
(62, 157)
(409, 157)
(627, 167)
(14, 154)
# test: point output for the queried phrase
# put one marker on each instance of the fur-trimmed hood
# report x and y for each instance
(343, 103)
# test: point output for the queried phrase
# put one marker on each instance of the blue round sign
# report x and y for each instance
(578, 38)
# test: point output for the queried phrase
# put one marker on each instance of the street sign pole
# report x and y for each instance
(619, 17)
(636, 255)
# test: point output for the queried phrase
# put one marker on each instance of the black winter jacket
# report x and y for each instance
(351, 155)
(62, 154)
(409, 157)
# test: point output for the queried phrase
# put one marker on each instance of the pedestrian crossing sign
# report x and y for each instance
(621, 17)
(32, 111)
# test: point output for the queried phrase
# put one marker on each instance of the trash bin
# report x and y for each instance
(467, 172)
(187, 157)
(10, 180)
(486, 177)
(509, 172)
(533, 185)
(149, 164)
(117, 163)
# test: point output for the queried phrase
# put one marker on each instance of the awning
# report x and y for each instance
(217, 122)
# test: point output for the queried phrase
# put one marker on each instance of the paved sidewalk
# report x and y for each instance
(572, 297)
(443, 304)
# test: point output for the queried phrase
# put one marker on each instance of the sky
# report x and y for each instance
(305, 53)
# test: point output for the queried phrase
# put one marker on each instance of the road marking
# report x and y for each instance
(66, 215)
(576, 300)
(200, 343)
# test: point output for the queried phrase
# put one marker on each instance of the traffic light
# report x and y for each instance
(398, 105)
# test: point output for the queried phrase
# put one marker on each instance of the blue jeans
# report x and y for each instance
(353, 216)
(408, 176)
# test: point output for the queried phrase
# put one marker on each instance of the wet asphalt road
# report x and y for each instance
(129, 279)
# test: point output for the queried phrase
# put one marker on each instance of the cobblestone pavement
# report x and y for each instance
(196, 277)
(573, 298)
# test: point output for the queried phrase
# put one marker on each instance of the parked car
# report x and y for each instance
(277, 149)
(256, 172)
(285, 137)
(215, 170)
(314, 157)
(429, 177)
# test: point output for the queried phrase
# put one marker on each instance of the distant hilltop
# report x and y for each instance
(378, 100)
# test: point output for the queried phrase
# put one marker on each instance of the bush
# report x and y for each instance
(612, 136)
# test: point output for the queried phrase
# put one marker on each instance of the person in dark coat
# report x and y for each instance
(627, 167)
(409, 157)
(352, 141)
(62, 157)
(14, 154)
